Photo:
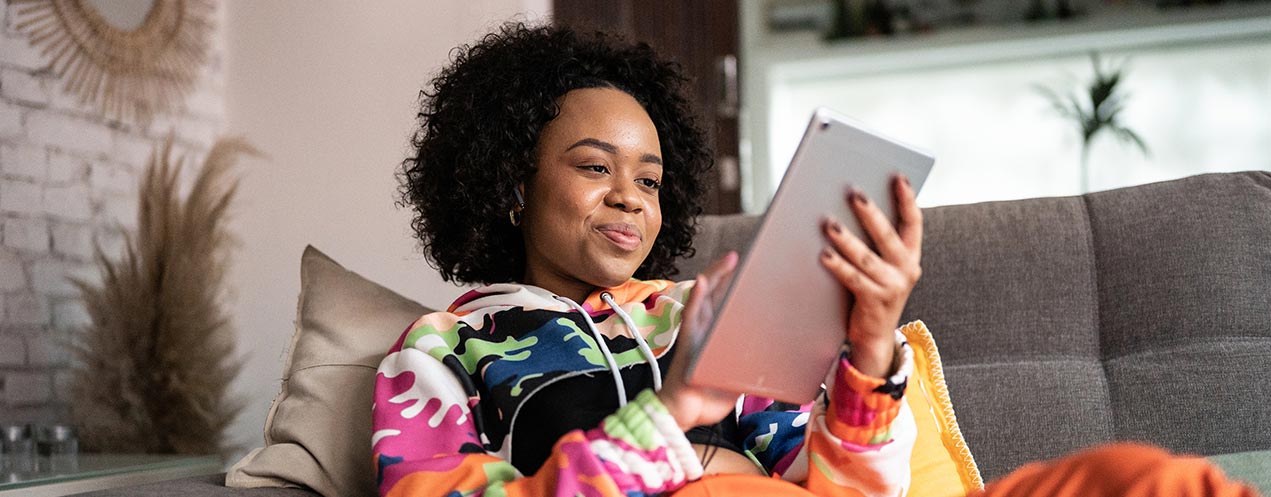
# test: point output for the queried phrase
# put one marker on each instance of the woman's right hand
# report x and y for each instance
(690, 405)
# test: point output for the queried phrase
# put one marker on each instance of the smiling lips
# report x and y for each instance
(623, 235)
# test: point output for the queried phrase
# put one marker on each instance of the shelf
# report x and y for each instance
(803, 56)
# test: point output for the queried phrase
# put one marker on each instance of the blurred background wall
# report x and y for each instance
(329, 90)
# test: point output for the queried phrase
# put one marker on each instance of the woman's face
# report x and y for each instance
(591, 209)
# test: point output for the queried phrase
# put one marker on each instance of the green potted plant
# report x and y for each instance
(1096, 111)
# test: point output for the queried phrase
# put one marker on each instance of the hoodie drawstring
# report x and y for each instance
(645, 350)
(604, 348)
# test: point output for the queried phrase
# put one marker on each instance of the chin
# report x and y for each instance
(612, 280)
(609, 277)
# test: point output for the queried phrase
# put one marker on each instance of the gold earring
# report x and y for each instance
(514, 215)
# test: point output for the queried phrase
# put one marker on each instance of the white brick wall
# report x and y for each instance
(74, 241)
(52, 277)
(27, 388)
(68, 202)
(23, 162)
(134, 149)
(26, 234)
(14, 52)
(23, 310)
(69, 133)
(105, 177)
(62, 384)
(23, 87)
(12, 276)
(12, 351)
(10, 119)
(68, 178)
(110, 239)
(47, 350)
(121, 210)
(19, 196)
(70, 315)
(64, 168)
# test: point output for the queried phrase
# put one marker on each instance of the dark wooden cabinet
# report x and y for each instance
(702, 37)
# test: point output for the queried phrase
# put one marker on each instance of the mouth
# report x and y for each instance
(624, 235)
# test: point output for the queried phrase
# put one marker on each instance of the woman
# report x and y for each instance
(555, 167)
(563, 172)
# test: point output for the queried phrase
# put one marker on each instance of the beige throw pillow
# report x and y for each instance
(318, 431)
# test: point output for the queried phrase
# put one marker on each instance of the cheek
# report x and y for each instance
(655, 224)
(566, 209)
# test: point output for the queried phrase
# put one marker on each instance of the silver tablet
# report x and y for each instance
(782, 320)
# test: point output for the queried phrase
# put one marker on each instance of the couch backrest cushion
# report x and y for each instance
(1185, 310)
(1009, 295)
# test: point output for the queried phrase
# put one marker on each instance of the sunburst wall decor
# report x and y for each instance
(123, 73)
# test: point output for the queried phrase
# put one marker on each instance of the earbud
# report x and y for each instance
(520, 201)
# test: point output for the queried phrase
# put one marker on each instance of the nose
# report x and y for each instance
(623, 195)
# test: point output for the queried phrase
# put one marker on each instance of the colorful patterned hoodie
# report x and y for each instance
(449, 391)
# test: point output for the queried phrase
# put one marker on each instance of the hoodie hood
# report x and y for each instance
(529, 297)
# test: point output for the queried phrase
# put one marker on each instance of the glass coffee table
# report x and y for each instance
(93, 472)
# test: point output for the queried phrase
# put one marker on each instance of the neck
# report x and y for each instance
(564, 286)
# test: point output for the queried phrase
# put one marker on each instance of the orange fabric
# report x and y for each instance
(422, 482)
(886, 408)
(632, 291)
(832, 473)
(1121, 470)
(726, 485)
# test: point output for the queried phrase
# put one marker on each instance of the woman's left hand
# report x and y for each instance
(881, 282)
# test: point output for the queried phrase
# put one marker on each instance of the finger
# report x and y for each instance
(720, 273)
(848, 275)
(855, 252)
(694, 317)
(723, 265)
(910, 229)
(699, 294)
(879, 228)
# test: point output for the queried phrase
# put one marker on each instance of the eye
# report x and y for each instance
(650, 183)
(595, 168)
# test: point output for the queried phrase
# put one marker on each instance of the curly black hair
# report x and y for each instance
(479, 124)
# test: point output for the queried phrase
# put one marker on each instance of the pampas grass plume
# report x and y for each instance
(154, 366)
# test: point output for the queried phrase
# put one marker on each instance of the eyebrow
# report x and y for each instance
(610, 148)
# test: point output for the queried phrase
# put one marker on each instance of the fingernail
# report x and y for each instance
(904, 180)
(857, 197)
(836, 227)
(826, 253)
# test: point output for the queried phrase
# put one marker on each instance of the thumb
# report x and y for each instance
(698, 314)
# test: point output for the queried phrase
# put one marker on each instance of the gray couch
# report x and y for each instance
(1142, 314)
